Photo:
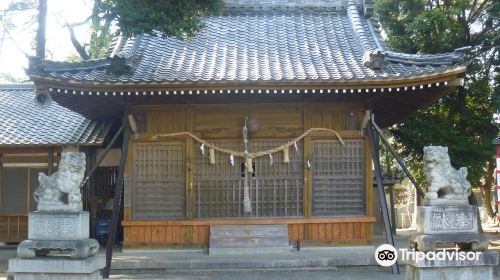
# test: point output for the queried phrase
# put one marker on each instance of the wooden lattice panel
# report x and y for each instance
(275, 190)
(159, 180)
(338, 178)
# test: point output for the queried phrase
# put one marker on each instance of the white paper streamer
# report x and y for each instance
(296, 147)
(231, 159)
(202, 148)
(308, 164)
(270, 159)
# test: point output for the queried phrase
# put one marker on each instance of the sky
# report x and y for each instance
(19, 41)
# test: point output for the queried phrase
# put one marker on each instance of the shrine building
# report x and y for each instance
(304, 76)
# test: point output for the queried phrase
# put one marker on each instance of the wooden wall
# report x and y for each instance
(31, 159)
(196, 232)
(224, 121)
(13, 228)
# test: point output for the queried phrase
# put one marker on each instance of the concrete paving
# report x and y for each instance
(337, 271)
(342, 273)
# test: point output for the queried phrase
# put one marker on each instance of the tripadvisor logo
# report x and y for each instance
(387, 255)
(449, 255)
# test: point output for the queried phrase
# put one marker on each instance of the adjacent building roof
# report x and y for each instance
(23, 123)
(263, 41)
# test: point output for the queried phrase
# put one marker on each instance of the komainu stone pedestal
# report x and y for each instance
(57, 268)
(448, 226)
(58, 248)
(480, 269)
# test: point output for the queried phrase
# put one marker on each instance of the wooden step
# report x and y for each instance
(248, 239)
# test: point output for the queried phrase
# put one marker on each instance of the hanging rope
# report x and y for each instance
(249, 155)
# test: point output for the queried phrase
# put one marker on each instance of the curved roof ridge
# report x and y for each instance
(358, 28)
(242, 6)
(40, 65)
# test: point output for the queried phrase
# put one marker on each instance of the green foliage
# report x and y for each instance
(170, 18)
(462, 119)
(101, 35)
(132, 17)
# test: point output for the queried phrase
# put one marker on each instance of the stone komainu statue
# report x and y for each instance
(61, 190)
(447, 186)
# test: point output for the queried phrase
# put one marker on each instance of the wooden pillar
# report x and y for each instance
(393, 210)
(369, 188)
(50, 161)
(189, 194)
(307, 192)
(189, 165)
(117, 199)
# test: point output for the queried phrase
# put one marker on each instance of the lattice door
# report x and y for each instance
(338, 178)
(159, 180)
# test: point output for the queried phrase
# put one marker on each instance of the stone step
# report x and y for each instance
(248, 230)
(245, 242)
(238, 251)
(249, 240)
(175, 260)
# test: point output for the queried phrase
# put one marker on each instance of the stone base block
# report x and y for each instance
(58, 225)
(464, 241)
(480, 269)
(77, 249)
(52, 268)
(53, 206)
(446, 201)
(447, 219)
(445, 273)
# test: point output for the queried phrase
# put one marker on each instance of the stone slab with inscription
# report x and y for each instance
(58, 225)
(448, 226)
(447, 219)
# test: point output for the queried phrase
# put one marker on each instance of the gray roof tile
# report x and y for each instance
(23, 123)
(271, 41)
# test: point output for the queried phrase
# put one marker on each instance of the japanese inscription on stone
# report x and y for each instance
(451, 219)
(65, 227)
(58, 226)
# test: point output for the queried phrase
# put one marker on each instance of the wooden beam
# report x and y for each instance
(117, 198)
(420, 192)
(380, 188)
(14, 149)
(103, 154)
(251, 221)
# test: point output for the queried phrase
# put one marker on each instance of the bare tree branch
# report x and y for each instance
(78, 47)
(475, 13)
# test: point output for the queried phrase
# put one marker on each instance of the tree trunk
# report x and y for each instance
(40, 33)
(486, 189)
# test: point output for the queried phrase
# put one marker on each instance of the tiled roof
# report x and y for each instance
(23, 123)
(260, 41)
